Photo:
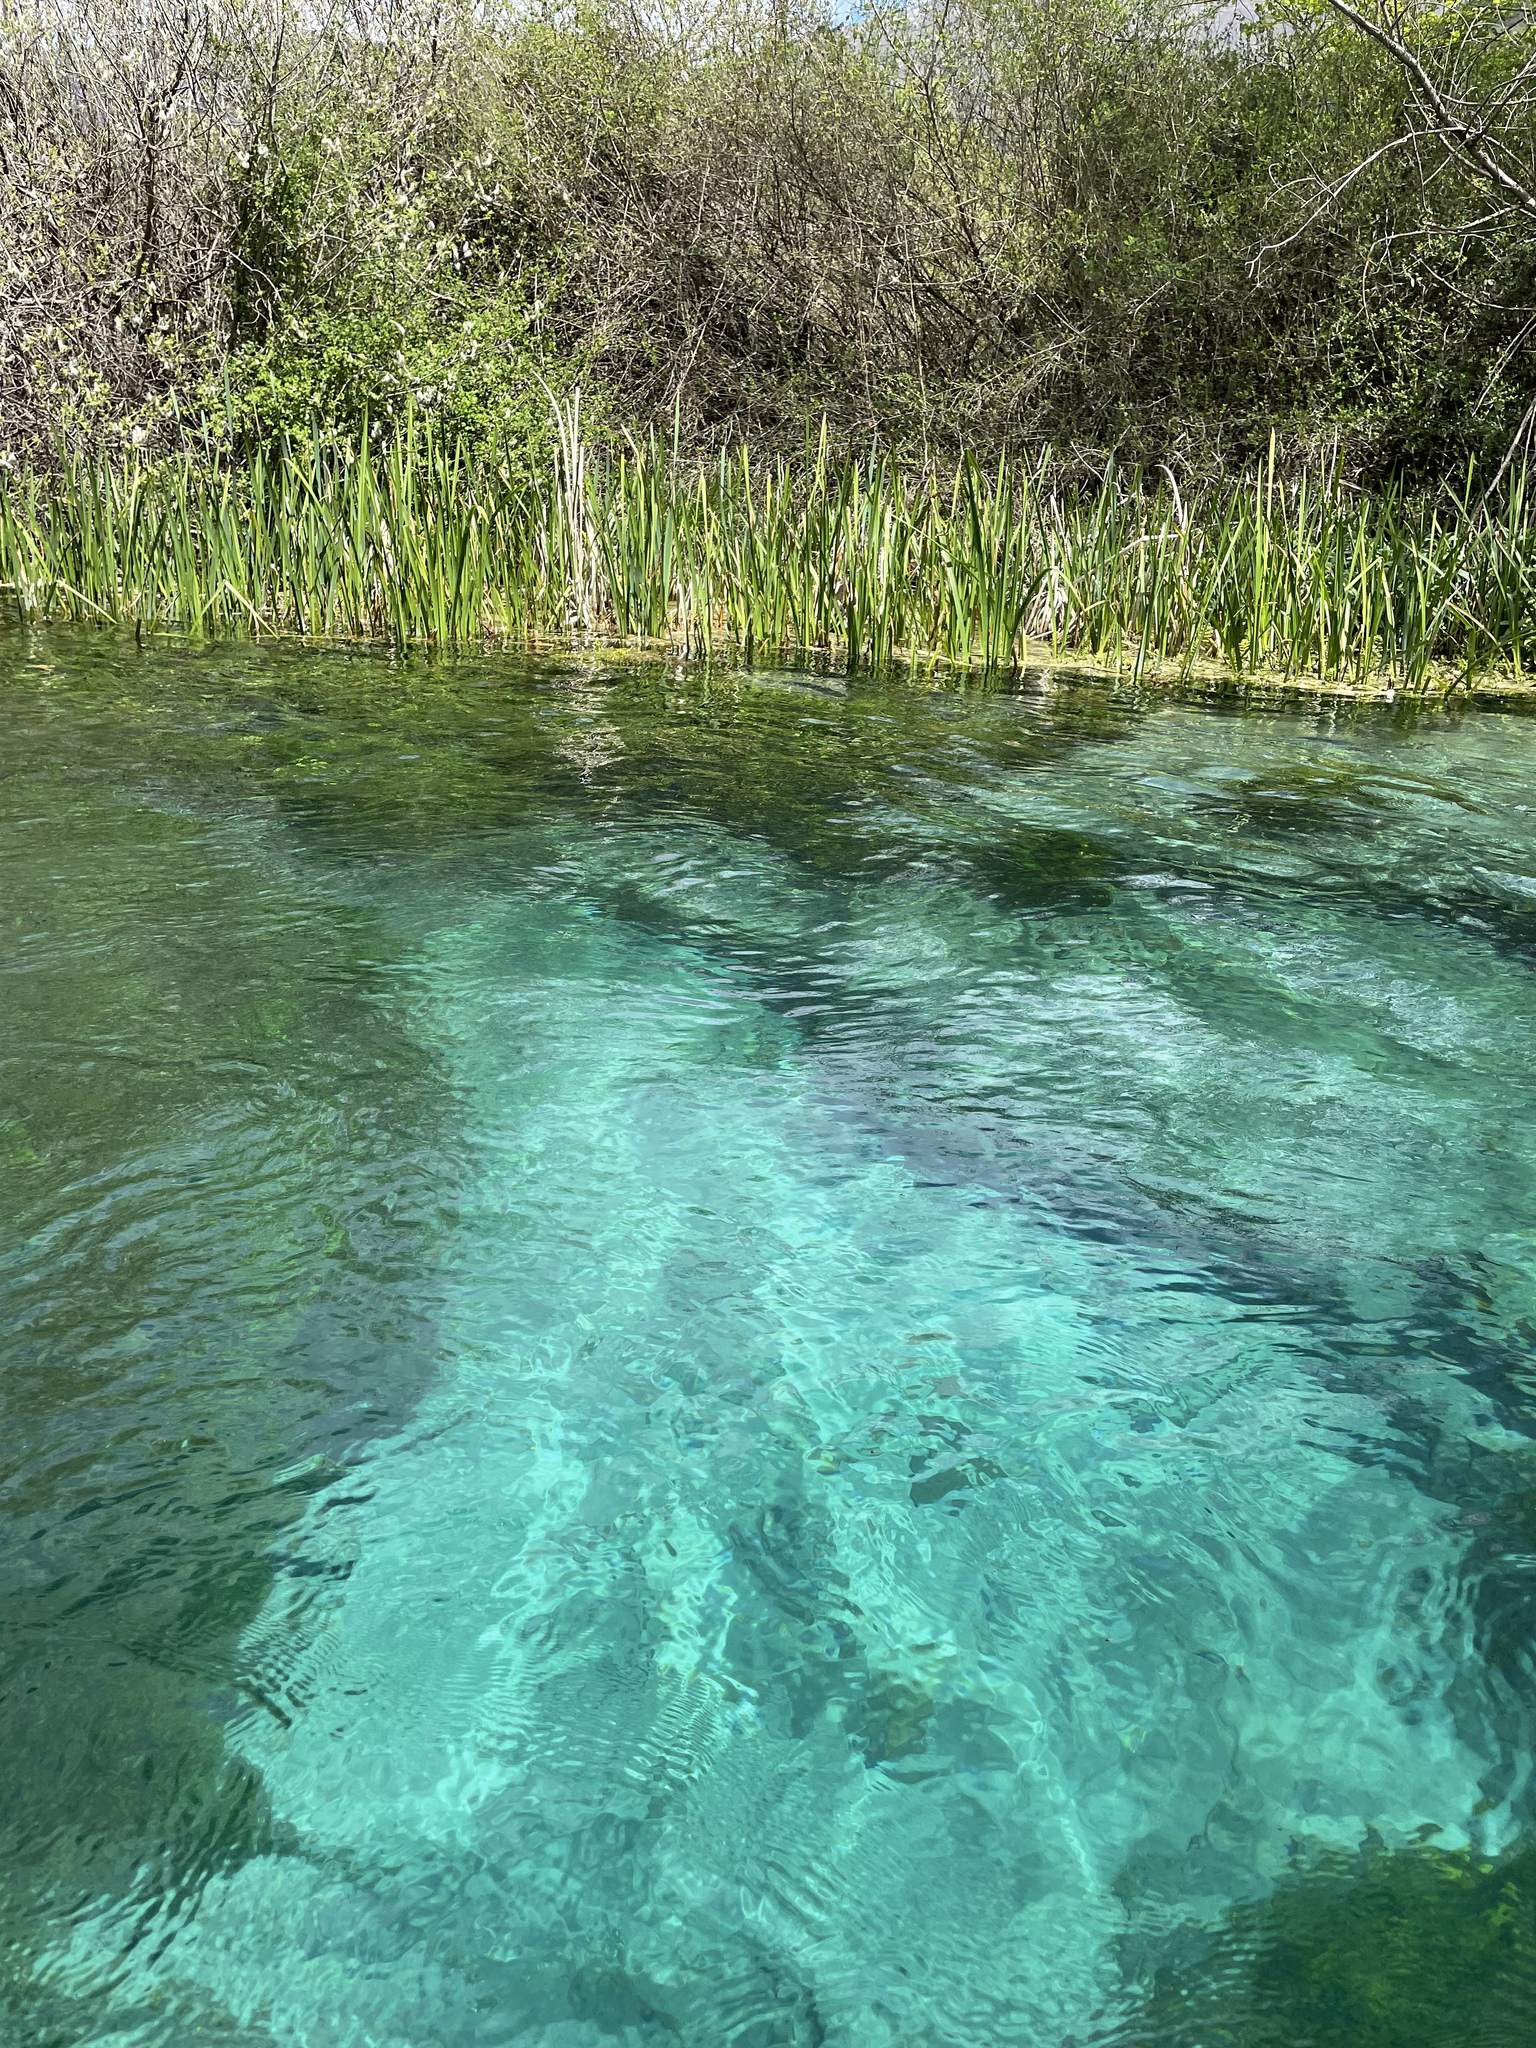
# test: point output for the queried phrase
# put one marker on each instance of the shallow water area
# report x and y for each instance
(751, 1359)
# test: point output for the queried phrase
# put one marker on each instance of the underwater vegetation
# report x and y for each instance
(1406, 1948)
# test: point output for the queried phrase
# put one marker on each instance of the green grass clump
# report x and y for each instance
(414, 539)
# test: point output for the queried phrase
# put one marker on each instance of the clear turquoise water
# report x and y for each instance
(709, 1360)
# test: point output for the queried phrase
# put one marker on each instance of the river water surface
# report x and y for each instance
(731, 1361)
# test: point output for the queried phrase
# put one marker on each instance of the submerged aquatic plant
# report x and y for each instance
(413, 539)
(1406, 1948)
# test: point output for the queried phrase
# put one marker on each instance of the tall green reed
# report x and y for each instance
(413, 539)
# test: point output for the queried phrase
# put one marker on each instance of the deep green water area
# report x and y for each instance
(741, 1362)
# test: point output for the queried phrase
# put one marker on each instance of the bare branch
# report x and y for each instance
(1331, 195)
(1473, 142)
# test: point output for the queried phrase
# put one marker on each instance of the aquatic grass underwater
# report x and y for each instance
(693, 1360)
(411, 539)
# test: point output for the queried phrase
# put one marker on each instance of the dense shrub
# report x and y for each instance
(1104, 224)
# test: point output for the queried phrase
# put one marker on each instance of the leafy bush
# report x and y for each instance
(1110, 225)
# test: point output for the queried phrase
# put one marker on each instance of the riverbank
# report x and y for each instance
(416, 539)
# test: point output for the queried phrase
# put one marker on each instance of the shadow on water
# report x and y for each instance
(222, 1168)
